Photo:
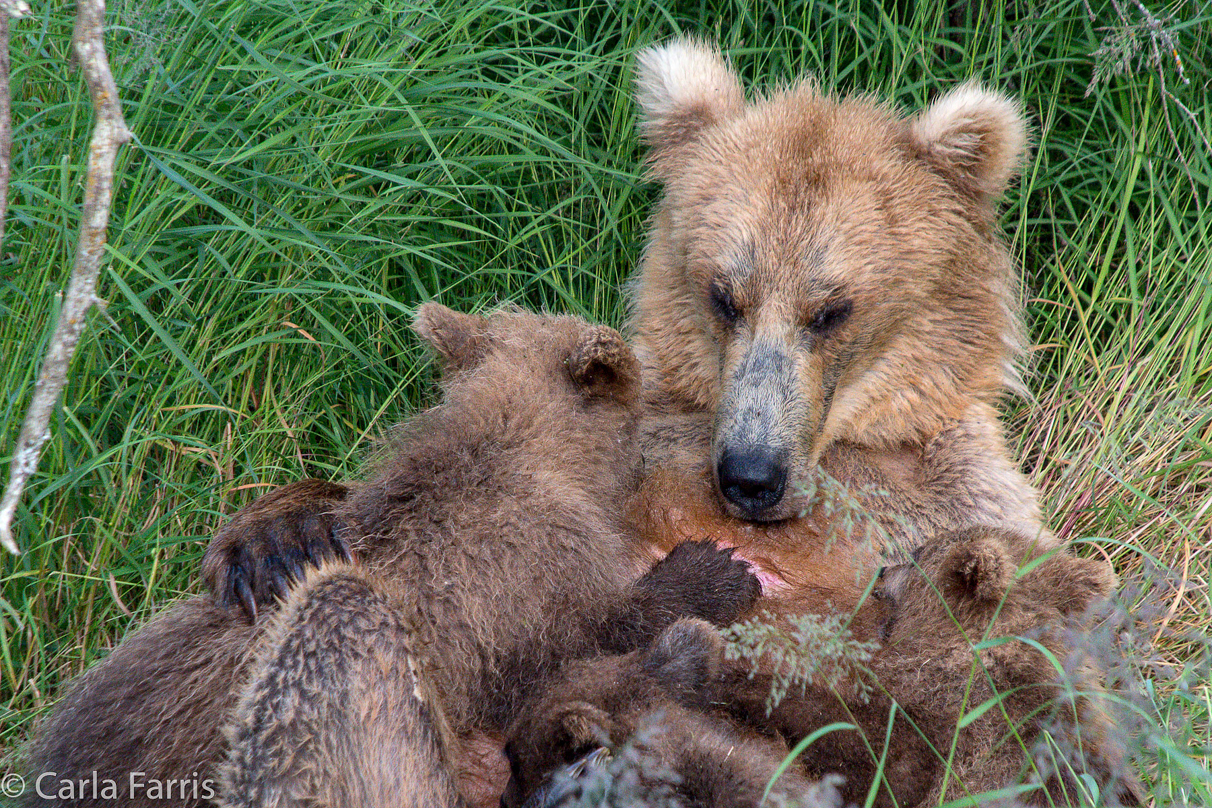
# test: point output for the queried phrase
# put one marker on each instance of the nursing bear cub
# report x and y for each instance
(488, 548)
(641, 729)
(982, 585)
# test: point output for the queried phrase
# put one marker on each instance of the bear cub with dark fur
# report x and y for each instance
(964, 587)
(488, 547)
(641, 721)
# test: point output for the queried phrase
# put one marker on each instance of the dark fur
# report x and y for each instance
(648, 709)
(494, 521)
(297, 529)
(154, 705)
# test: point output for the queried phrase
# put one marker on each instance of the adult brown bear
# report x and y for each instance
(826, 314)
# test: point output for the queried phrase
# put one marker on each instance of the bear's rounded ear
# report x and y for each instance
(1077, 583)
(459, 340)
(685, 660)
(682, 87)
(604, 367)
(974, 137)
(978, 570)
(581, 725)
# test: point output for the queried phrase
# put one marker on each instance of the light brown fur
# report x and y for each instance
(825, 274)
(875, 322)
(859, 507)
(999, 583)
(793, 205)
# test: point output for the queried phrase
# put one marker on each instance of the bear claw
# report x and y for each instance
(706, 581)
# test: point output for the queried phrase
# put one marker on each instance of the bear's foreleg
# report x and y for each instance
(337, 711)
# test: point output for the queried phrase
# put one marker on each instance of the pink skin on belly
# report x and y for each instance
(772, 583)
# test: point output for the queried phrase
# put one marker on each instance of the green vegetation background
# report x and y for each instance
(303, 175)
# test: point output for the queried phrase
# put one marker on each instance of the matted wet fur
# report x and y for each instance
(487, 548)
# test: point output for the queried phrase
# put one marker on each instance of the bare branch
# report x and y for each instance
(16, 9)
(109, 133)
(6, 125)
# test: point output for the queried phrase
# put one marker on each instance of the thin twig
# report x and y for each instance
(109, 133)
(14, 9)
(6, 128)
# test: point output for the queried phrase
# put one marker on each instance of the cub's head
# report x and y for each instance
(983, 581)
(559, 383)
(538, 352)
(597, 705)
(820, 269)
(992, 594)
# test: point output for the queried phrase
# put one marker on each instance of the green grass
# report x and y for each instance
(303, 175)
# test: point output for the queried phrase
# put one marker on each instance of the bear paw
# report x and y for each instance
(699, 579)
(256, 557)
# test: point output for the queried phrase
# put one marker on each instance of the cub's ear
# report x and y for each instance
(685, 660)
(604, 367)
(1077, 583)
(682, 87)
(977, 570)
(581, 724)
(974, 137)
(459, 340)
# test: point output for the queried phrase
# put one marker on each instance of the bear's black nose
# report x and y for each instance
(752, 479)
